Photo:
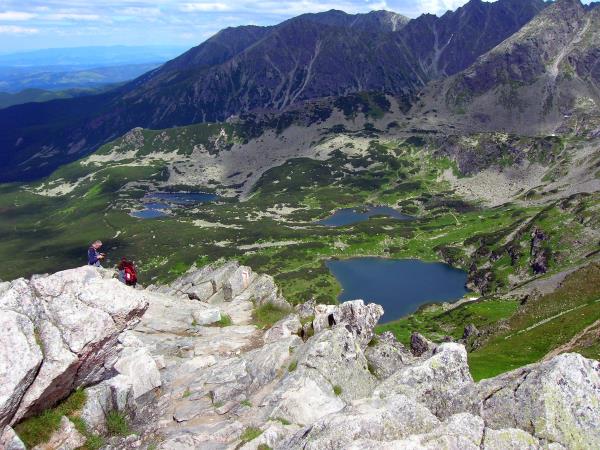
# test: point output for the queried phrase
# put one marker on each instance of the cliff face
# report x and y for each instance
(59, 332)
(224, 382)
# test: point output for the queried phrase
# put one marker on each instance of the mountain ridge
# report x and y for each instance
(271, 69)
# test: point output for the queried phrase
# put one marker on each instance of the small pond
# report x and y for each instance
(156, 204)
(399, 285)
(348, 216)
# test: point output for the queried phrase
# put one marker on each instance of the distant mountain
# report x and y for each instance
(40, 95)
(250, 68)
(544, 77)
(91, 57)
(16, 79)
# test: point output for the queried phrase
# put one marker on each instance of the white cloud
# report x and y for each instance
(72, 16)
(16, 15)
(439, 6)
(140, 11)
(13, 29)
(205, 7)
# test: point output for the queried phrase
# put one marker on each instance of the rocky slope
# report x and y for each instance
(184, 382)
(543, 79)
(246, 68)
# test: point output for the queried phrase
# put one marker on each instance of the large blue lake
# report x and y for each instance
(156, 204)
(399, 285)
(348, 216)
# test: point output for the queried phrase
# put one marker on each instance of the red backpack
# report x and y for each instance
(130, 274)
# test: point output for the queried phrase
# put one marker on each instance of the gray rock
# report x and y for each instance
(139, 366)
(437, 382)
(509, 439)
(59, 366)
(114, 394)
(306, 310)
(263, 290)
(359, 318)
(220, 275)
(420, 345)
(20, 358)
(387, 356)
(556, 400)
(336, 354)
(201, 292)
(10, 441)
(302, 398)
(282, 329)
(470, 330)
(79, 314)
(272, 434)
(386, 419)
(206, 316)
(237, 282)
(459, 432)
(264, 363)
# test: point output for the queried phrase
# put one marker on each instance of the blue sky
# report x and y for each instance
(32, 24)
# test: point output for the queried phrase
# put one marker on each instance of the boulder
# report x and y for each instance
(509, 439)
(264, 363)
(237, 282)
(201, 292)
(65, 438)
(263, 290)
(139, 366)
(302, 398)
(387, 356)
(76, 317)
(420, 345)
(212, 273)
(439, 382)
(306, 310)
(58, 368)
(114, 394)
(556, 400)
(337, 356)
(359, 318)
(459, 432)
(206, 316)
(376, 419)
(282, 329)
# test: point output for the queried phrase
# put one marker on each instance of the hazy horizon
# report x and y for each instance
(36, 24)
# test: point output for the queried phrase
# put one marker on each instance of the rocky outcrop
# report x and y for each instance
(420, 345)
(557, 400)
(386, 355)
(60, 332)
(358, 318)
(540, 255)
(339, 388)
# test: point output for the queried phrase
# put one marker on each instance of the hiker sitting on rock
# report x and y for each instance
(94, 256)
(127, 273)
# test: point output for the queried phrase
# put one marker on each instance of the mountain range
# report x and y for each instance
(263, 68)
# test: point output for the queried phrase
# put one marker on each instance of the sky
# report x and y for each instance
(34, 24)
